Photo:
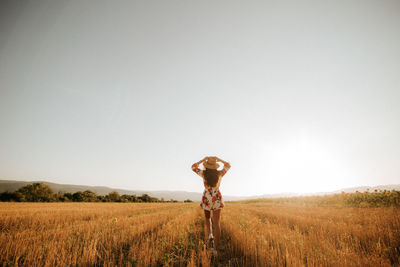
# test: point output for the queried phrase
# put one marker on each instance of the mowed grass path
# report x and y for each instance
(173, 234)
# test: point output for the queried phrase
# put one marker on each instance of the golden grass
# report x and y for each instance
(173, 234)
(297, 236)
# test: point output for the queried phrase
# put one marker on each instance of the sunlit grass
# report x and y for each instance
(254, 233)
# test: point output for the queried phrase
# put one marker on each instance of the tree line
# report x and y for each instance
(40, 192)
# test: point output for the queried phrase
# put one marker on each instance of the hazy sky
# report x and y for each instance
(298, 96)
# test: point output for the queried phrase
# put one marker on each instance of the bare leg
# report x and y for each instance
(207, 214)
(217, 228)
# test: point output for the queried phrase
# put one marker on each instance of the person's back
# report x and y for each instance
(211, 177)
(212, 197)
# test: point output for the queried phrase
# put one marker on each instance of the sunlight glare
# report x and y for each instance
(302, 164)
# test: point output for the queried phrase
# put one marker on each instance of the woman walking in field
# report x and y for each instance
(212, 198)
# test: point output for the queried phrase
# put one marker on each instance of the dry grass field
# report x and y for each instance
(254, 233)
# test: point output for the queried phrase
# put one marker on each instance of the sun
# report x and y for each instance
(303, 164)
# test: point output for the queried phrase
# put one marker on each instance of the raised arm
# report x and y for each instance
(201, 161)
(224, 162)
(195, 166)
(227, 166)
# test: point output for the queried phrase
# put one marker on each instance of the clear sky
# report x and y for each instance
(299, 96)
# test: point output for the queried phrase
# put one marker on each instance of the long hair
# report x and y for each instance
(211, 176)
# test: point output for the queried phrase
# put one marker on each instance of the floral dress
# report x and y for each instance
(212, 198)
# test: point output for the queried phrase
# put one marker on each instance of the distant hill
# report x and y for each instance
(11, 186)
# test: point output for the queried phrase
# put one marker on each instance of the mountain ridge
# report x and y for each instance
(13, 185)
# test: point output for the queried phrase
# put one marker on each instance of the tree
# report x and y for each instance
(68, 196)
(7, 196)
(89, 196)
(36, 192)
(145, 198)
(114, 196)
(86, 196)
(128, 198)
(77, 196)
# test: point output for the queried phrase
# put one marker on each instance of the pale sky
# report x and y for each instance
(299, 96)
